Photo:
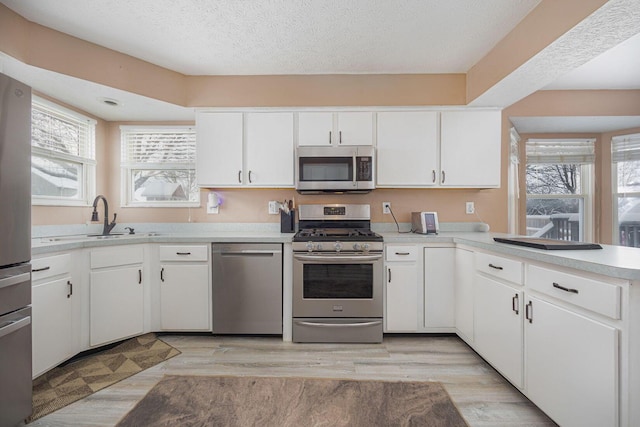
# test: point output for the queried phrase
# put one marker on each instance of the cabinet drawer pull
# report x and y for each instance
(515, 304)
(389, 278)
(70, 289)
(562, 288)
(35, 270)
(162, 275)
(183, 253)
(139, 277)
(528, 312)
(496, 267)
(403, 253)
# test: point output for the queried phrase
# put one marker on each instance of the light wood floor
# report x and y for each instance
(483, 397)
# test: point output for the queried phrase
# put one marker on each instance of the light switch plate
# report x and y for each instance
(273, 208)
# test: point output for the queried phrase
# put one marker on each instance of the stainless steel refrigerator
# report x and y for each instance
(15, 251)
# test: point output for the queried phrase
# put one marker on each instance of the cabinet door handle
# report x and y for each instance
(562, 288)
(443, 177)
(183, 253)
(389, 275)
(70, 285)
(239, 177)
(139, 277)
(497, 267)
(340, 138)
(329, 137)
(433, 175)
(515, 303)
(35, 270)
(528, 312)
(250, 182)
(162, 275)
(402, 253)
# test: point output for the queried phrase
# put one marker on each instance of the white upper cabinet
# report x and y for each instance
(245, 149)
(269, 149)
(219, 149)
(327, 128)
(407, 149)
(470, 144)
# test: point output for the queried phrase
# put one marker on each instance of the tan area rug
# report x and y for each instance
(281, 401)
(66, 384)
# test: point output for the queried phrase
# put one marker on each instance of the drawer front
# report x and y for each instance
(497, 266)
(184, 253)
(43, 268)
(402, 253)
(600, 297)
(116, 256)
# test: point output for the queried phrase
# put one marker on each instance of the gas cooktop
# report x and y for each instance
(332, 234)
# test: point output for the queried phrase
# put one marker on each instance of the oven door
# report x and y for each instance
(337, 285)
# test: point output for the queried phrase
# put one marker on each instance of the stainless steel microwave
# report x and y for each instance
(335, 169)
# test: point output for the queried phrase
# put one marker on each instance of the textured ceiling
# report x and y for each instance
(252, 37)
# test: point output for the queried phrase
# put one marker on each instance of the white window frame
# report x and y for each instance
(587, 186)
(633, 140)
(87, 163)
(127, 167)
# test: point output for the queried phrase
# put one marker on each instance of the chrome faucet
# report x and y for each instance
(94, 216)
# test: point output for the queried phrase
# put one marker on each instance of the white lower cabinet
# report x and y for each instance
(116, 294)
(439, 288)
(52, 303)
(463, 294)
(498, 326)
(571, 365)
(185, 295)
(401, 289)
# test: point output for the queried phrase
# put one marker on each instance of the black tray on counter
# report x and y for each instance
(547, 244)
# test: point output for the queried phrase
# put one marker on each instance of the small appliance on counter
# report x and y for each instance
(425, 222)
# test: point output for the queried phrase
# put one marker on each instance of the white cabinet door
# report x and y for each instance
(439, 290)
(470, 143)
(572, 366)
(269, 153)
(407, 149)
(327, 128)
(184, 297)
(464, 293)
(498, 327)
(116, 304)
(219, 149)
(52, 324)
(401, 297)
(315, 128)
(354, 128)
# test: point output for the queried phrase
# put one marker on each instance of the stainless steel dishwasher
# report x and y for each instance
(247, 288)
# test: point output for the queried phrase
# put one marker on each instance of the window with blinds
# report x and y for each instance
(559, 182)
(625, 156)
(62, 155)
(158, 166)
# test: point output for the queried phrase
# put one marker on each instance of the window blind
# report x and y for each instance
(557, 151)
(625, 148)
(61, 133)
(164, 147)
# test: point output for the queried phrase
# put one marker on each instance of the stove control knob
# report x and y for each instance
(365, 247)
(356, 246)
(310, 246)
(319, 247)
(338, 246)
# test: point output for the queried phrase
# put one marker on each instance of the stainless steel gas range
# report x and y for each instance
(337, 275)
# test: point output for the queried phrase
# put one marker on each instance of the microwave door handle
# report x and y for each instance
(355, 169)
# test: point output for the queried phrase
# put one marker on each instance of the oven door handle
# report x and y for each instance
(14, 325)
(340, 325)
(324, 258)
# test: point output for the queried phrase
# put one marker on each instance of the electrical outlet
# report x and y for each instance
(386, 207)
(470, 207)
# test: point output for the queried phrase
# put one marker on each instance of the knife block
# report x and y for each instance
(288, 221)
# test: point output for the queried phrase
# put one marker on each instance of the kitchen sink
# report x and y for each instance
(107, 236)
